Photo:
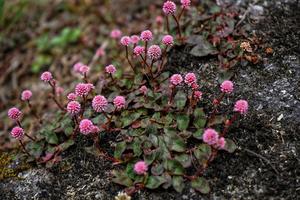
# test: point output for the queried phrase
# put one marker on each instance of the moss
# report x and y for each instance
(6, 170)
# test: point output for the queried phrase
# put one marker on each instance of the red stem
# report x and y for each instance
(127, 57)
(178, 27)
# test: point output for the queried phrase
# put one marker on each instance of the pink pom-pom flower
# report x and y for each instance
(139, 50)
(220, 143)
(83, 89)
(119, 102)
(125, 40)
(115, 34)
(168, 40)
(84, 69)
(190, 79)
(110, 69)
(86, 126)
(185, 3)
(73, 107)
(71, 96)
(195, 86)
(14, 113)
(26, 95)
(146, 36)
(154, 52)
(100, 52)
(227, 87)
(169, 7)
(144, 90)
(176, 79)
(99, 103)
(17, 132)
(135, 39)
(140, 167)
(159, 20)
(241, 106)
(197, 95)
(95, 129)
(210, 136)
(77, 66)
(46, 76)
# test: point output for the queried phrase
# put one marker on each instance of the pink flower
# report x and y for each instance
(135, 39)
(197, 95)
(86, 126)
(138, 50)
(14, 113)
(154, 52)
(190, 78)
(195, 86)
(146, 36)
(26, 95)
(119, 102)
(185, 3)
(227, 87)
(73, 107)
(77, 66)
(99, 103)
(210, 136)
(221, 143)
(83, 89)
(144, 90)
(176, 79)
(168, 40)
(100, 52)
(115, 34)
(241, 106)
(169, 7)
(159, 20)
(125, 41)
(95, 129)
(140, 167)
(46, 76)
(84, 69)
(110, 69)
(71, 96)
(17, 132)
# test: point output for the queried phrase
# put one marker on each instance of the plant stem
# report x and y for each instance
(178, 27)
(112, 78)
(229, 123)
(127, 57)
(23, 147)
(54, 96)
(146, 51)
(213, 114)
(34, 114)
(163, 59)
(168, 24)
(182, 11)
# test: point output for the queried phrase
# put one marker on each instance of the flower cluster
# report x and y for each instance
(211, 137)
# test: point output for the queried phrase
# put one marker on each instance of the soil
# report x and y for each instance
(266, 164)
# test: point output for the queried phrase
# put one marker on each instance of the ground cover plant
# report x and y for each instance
(165, 133)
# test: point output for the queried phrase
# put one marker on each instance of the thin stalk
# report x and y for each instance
(146, 51)
(34, 114)
(228, 124)
(112, 78)
(178, 27)
(213, 115)
(54, 97)
(127, 57)
(23, 147)
(163, 59)
(168, 24)
(180, 14)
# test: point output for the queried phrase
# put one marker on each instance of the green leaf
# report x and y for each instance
(178, 183)
(151, 129)
(66, 144)
(120, 148)
(136, 147)
(121, 178)
(184, 159)
(219, 119)
(182, 122)
(154, 182)
(175, 143)
(230, 146)
(174, 167)
(198, 134)
(201, 184)
(157, 169)
(203, 152)
(180, 99)
(198, 112)
(199, 122)
(150, 157)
